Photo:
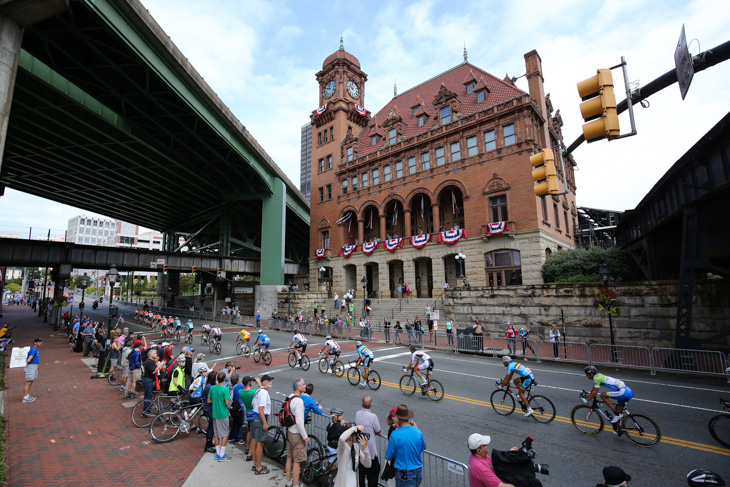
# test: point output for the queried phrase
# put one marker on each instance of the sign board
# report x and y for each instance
(435, 315)
(454, 468)
(435, 325)
(228, 300)
(683, 64)
(153, 265)
(160, 261)
(243, 290)
(18, 356)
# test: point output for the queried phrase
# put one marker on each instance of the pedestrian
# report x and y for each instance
(199, 364)
(408, 291)
(555, 339)
(260, 406)
(208, 411)
(450, 330)
(88, 334)
(246, 394)
(386, 329)
(353, 457)
(398, 330)
(219, 399)
(135, 368)
(400, 291)
(32, 361)
(430, 330)
(334, 430)
(258, 320)
(309, 403)
(337, 302)
(405, 447)
(237, 411)
(510, 335)
(177, 379)
(481, 470)
(371, 426)
(409, 331)
(151, 367)
(445, 286)
(126, 350)
(523, 336)
(615, 477)
(296, 436)
(316, 309)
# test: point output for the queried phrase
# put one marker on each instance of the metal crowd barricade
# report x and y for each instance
(574, 351)
(439, 471)
(473, 343)
(686, 360)
(623, 355)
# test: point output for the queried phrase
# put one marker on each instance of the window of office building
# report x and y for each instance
(440, 157)
(503, 268)
(455, 151)
(445, 115)
(509, 134)
(386, 173)
(425, 161)
(498, 208)
(376, 176)
(399, 169)
(490, 142)
(471, 146)
(412, 165)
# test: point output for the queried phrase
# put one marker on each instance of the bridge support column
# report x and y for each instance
(224, 235)
(173, 286)
(11, 36)
(273, 229)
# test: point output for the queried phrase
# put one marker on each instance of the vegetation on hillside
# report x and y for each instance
(580, 265)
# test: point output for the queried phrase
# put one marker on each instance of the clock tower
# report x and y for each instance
(339, 119)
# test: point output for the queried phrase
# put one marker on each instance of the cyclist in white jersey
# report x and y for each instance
(332, 351)
(298, 342)
(419, 361)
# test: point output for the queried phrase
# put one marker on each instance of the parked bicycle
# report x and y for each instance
(590, 419)
(720, 425)
(293, 360)
(160, 402)
(503, 401)
(275, 445)
(337, 367)
(321, 469)
(264, 355)
(431, 388)
(355, 375)
(168, 424)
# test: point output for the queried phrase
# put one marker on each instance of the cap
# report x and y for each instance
(165, 344)
(266, 377)
(37, 340)
(615, 476)
(200, 356)
(191, 349)
(476, 440)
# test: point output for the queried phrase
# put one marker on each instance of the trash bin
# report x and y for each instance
(102, 366)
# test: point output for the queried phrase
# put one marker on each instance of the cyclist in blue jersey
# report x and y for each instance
(364, 357)
(616, 389)
(523, 381)
(262, 340)
(190, 326)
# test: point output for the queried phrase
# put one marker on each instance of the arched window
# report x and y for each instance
(503, 267)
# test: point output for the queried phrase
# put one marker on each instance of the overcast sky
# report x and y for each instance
(260, 57)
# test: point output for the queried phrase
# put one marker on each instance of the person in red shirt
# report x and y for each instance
(481, 471)
(510, 335)
(167, 352)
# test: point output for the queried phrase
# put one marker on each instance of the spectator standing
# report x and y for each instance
(481, 470)
(555, 339)
(208, 411)
(88, 334)
(398, 330)
(405, 448)
(316, 309)
(510, 334)
(386, 329)
(450, 330)
(615, 477)
(151, 367)
(261, 405)
(296, 436)
(371, 426)
(246, 394)
(337, 302)
(445, 286)
(309, 403)
(126, 350)
(177, 379)
(237, 411)
(32, 362)
(409, 331)
(219, 399)
(198, 365)
(135, 368)
(352, 457)
(335, 430)
(523, 336)
(408, 291)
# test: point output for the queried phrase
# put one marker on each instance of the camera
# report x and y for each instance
(237, 367)
(360, 435)
(527, 449)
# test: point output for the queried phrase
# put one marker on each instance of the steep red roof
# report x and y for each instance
(424, 95)
(341, 54)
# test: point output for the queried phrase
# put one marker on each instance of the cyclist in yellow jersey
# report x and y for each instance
(243, 336)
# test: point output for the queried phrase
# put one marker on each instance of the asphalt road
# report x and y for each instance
(681, 405)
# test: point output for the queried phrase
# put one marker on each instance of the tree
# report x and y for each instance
(579, 265)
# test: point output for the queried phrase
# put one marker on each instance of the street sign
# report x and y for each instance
(153, 265)
(683, 64)
(161, 261)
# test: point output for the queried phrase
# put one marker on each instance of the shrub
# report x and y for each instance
(580, 265)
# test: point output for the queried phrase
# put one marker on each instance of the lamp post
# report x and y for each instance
(84, 284)
(364, 282)
(322, 270)
(111, 276)
(460, 258)
(605, 275)
(289, 284)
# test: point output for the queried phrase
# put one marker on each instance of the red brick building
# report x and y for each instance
(451, 154)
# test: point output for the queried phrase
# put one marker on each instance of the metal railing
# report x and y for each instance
(693, 361)
(573, 351)
(624, 355)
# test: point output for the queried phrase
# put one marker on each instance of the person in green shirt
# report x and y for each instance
(246, 394)
(219, 398)
(177, 380)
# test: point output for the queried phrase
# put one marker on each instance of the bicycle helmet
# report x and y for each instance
(701, 477)
(506, 359)
(336, 412)
(202, 370)
(358, 343)
(590, 370)
(328, 337)
(413, 348)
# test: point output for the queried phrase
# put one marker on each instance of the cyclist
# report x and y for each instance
(178, 326)
(217, 334)
(298, 342)
(262, 340)
(616, 389)
(243, 336)
(419, 361)
(332, 351)
(190, 326)
(163, 327)
(364, 357)
(205, 330)
(523, 382)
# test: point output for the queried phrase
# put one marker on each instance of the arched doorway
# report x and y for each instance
(350, 277)
(423, 277)
(421, 215)
(394, 221)
(503, 267)
(372, 274)
(452, 270)
(395, 277)
(451, 208)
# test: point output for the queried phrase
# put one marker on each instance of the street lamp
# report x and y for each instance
(322, 270)
(460, 258)
(364, 282)
(111, 276)
(605, 275)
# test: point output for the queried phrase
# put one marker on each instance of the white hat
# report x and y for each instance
(476, 440)
(165, 344)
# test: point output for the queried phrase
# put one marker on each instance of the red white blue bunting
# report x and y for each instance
(452, 236)
(321, 253)
(496, 228)
(321, 109)
(347, 250)
(360, 110)
(393, 243)
(418, 241)
(369, 247)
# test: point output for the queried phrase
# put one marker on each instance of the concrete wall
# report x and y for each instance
(649, 312)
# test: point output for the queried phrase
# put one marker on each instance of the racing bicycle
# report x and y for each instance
(243, 348)
(215, 346)
(168, 424)
(504, 398)
(264, 355)
(293, 360)
(720, 425)
(355, 375)
(337, 367)
(431, 388)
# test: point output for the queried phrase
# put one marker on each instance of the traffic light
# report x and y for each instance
(194, 271)
(218, 272)
(164, 269)
(544, 173)
(599, 107)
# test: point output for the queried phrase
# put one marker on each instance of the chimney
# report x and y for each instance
(535, 80)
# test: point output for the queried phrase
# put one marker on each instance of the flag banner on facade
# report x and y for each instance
(346, 217)
(452, 236)
(347, 250)
(360, 110)
(395, 212)
(454, 207)
(423, 209)
(370, 223)
(496, 228)
(369, 247)
(393, 243)
(418, 241)
(321, 109)
(321, 253)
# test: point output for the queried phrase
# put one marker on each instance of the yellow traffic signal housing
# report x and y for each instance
(194, 270)
(164, 269)
(599, 107)
(218, 273)
(544, 173)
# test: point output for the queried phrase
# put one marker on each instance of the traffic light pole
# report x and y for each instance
(700, 62)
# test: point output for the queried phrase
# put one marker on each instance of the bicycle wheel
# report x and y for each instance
(176, 338)
(189, 339)
(641, 430)
(305, 363)
(407, 385)
(323, 365)
(353, 376)
(141, 421)
(435, 390)
(239, 348)
(202, 422)
(267, 358)
(202, 339)
(218, 347)
(373, 380)
(544, 409)
(246, 351)
(315, 454)
(256, 355)
(502, 402)
(292, 359)
(587, 420)
(211, 346)
(339, 368)
(165, 427)
(274, 443)
(720, 429)
(115, 377)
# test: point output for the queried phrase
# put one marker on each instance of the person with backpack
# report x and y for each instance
(292, 416)
(207, 410)
(237, 411)
(260, 409)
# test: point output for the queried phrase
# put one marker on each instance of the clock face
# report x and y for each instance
(352, 89)
(329, 90)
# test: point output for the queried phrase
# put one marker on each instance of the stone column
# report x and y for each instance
(361, 230)
(382, 227)
(11, 36)
(436, 217)
(407, 217)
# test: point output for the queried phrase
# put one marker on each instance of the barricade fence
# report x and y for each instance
(686, 360)
(624, 355)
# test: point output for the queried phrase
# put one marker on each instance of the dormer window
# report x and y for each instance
(414, 110)
(470, 87)
(421, 120)
(374, 140)
(391, 136)
(445, 115)
(481, 96)
(349, 153)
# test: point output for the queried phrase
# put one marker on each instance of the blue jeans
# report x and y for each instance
(149, 385)
(412, 478)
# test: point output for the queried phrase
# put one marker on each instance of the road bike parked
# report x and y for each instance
(504, 399)
(160, 402)
(168, 424)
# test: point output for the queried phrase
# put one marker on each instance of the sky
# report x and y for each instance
(261, 57)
